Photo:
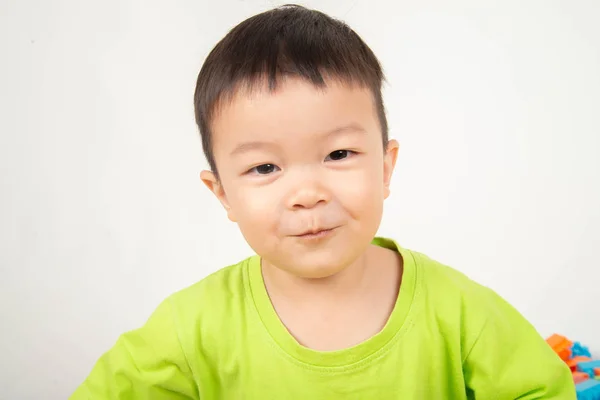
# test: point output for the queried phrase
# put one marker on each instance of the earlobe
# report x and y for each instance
(214, 185)
(389, 163)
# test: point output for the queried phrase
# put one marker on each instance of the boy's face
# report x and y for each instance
(303, 172)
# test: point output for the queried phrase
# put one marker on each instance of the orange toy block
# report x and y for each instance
(597, 371)
(564, 354)
(561, 345)
(572, 363)
(580, 377)
(555, 340)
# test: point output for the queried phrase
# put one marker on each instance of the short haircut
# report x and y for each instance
(290, 40)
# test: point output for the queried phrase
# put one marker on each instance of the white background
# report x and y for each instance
(102, 215)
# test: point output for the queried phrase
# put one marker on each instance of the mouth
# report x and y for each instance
(315, 233)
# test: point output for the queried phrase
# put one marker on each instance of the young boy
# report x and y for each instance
(292, 120)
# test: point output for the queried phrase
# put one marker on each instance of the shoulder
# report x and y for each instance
(445, 282)
(206, 311)
(217, 290)
(502, 354)
(459, 305)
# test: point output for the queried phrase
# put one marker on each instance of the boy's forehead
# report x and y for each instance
(294, 106)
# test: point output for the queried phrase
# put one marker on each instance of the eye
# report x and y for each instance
(339, 155)
(264, 169)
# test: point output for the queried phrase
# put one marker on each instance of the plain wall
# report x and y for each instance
(102, 214)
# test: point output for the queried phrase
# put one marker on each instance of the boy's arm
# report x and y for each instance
(147, 363)
(510, 360)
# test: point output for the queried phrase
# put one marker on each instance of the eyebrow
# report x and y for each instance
(257, 145)
(249, 146)
(350, 128)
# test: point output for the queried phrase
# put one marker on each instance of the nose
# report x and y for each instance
(307, 195)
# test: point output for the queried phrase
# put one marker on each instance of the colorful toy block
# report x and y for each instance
(572, 363)
(588, 390)
(579, 377)
(585, 370)
(556, 340)
(589, 367)
(561, 345)
(578, 350)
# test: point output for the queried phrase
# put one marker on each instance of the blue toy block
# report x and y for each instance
(588, 390)
(579, 350)
(588, 367)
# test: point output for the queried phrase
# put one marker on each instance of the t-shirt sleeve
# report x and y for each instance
(147, 363)
(510, 360)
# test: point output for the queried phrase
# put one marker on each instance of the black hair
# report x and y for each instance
(290, 40)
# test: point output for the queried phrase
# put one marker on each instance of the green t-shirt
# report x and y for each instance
(447, 338)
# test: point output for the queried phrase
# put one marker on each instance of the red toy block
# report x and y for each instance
(580, 376)
(572, 363)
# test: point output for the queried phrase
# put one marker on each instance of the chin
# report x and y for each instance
(318, 259)
(315, 273)
(317, 267)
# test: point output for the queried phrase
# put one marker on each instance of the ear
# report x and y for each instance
(214, 185)
(389, 163)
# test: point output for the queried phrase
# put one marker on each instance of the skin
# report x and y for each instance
(304, 174)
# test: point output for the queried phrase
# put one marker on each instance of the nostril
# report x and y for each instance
(306, 198)
(309, 204)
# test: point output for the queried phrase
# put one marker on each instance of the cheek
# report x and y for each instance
(255, 208)
(361, 192)
(256, 212)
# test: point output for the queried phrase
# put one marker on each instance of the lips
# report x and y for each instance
(315, 233)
